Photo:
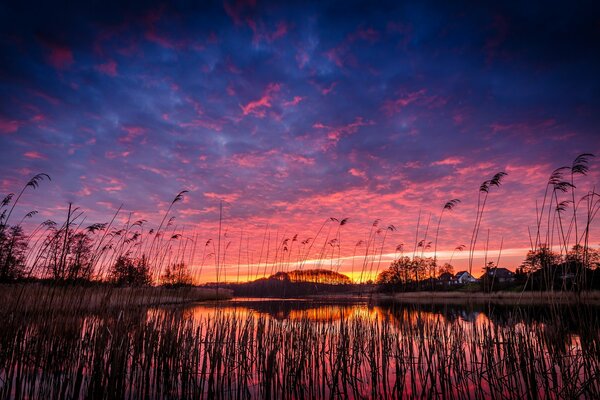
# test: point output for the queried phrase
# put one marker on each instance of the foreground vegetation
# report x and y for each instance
(493, 298)
(403, 353)
(42, 297)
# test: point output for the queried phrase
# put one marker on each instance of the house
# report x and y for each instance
(464, 277)
(499, 275)
(446, 278)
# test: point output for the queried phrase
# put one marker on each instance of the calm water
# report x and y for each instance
(257, 348)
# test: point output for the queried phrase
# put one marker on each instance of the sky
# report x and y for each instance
(292, 114)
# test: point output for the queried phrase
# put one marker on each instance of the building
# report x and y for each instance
(464, 277)
(500, 275)
(446, 278)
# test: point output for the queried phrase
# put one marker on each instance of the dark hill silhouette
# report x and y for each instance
(313, 276)
(295, 283)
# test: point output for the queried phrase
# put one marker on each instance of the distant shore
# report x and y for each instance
(501, 297)
(35, 296)
(447, 297)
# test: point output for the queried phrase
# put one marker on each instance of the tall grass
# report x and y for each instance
(407, 353)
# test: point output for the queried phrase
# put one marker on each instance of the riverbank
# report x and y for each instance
(36, 296)
(509, 298)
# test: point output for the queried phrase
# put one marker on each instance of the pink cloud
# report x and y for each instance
(335, 133)
(255, 159)
(329, 89)
(522, 126)
(34, 155)
(230, 90)
(448, 161)
(241, 12)
(60, 57)
(215, 125)
(393, 106)
(257, 107)
(154, 170)
(302, 58)
(227, 197)
(50, 99)
(420, 98)
(528, 130)
(358, 173)
(262, 34)
(231, 67)
(238, 9)
(341, 57)
(152, 35)
(341, 54)
(132, 133)
(9, 126)
(107, 205)
(459, 117)
(114, 186)
(112, 155)
(108, 68)
(299, 159)
(294, 102)
(248, 160)
(110, 184)
(195, 104)
(85, 191)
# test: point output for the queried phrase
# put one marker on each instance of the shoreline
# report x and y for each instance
(35, 296)
(449, 297)
(508, 298)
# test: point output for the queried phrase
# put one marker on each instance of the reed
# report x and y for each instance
(405, 352)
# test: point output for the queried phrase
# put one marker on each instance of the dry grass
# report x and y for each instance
(407, 354)
(75, 299)
(501, 297)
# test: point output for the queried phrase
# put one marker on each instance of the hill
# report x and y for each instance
(295, 283)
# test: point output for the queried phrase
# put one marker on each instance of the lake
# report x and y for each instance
(304, 348)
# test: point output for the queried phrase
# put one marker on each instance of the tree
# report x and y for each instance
(420, 267)
(324, 276)
(131, 272)
(542, 258)
(489, 266)
(79, 259)
(405, 270)
(398, 272)
(544, 267)
(587, 257)
(446, 269)
(13, 248)
(177, 275)
(69, 255)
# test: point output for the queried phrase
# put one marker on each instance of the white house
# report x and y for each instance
(463, 277)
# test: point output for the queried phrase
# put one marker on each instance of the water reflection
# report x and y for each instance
(571, 317)
(304, 348)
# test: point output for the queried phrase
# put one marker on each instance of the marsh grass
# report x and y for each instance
(406, 353)
(40, 297)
